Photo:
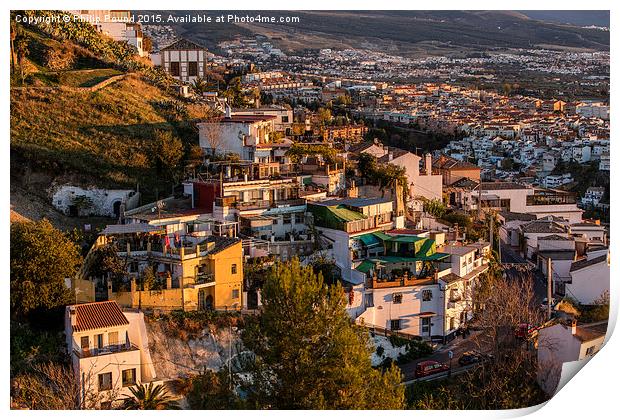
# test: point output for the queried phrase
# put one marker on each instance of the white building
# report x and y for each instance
(426, 294)
(77, 201)
(283, 116)
(185, 60)
(109, 353)
(117, 24)
(517, 198)
(589, 110)
(561, 343)
(593, 196)
(239, 134)
(589, 279)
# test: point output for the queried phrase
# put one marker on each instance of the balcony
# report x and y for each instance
(111, 348)
(369, 223)
(265, 204)
(400, 281)
(204, 280)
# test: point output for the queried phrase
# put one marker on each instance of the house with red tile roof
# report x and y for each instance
(109, 352)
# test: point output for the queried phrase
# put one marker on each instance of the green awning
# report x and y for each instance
(406, 239)
(382, 236)
(370, 240)
(428, 248)
(365, 266)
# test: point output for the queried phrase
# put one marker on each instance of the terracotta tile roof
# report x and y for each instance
(96, 315)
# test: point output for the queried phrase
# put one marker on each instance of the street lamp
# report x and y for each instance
(450, 356)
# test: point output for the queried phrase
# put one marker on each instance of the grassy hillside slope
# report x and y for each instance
(62, 132)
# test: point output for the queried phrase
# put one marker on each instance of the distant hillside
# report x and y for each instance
(571, 17)
(404, 32)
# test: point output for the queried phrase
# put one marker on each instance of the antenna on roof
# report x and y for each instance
(227, 110)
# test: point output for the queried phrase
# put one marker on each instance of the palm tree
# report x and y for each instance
(200, 86)
(149, 398)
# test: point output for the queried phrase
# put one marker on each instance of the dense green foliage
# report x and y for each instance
(41, 258)
(435, 208)
(213, 391)
(308, 355)
(299, 150)
(383, 175)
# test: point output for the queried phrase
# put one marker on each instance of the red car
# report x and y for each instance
(429, 367)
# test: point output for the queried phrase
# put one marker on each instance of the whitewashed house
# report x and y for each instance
(589, 279)
(565, 342)
(109, 354)
(77, 201)
(185, 60)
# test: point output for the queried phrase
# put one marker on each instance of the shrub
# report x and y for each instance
(415, 349)
(397, 341)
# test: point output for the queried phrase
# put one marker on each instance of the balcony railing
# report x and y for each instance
(204, 278)
(115, 347)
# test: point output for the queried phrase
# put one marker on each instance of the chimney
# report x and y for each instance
(72, 315)
(390, 157)
(573, 326)
(428, 164)
(227, 111)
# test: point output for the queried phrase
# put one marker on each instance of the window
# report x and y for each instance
(286, 219)
(369, 300)
(192, 69)
(395, 324)
(299, 218)
(133, 267)
(235, 294)
(427, 295)
(129, 377)
(452, 323)
(285, 118)
(105, 381)
(590, 351)
(426, 325)
(397, 298)
(99, 340)
(113, 338)
(174, 69)
(275, 221)
(233, 269)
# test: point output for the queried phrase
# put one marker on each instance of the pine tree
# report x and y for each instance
(308, 353)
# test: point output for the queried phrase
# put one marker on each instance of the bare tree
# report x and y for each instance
(212, 132)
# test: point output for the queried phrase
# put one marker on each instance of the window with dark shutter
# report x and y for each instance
(175, 69)
(192, 68)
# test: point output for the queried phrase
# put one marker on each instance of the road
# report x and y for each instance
(475, 341)
(516, 266)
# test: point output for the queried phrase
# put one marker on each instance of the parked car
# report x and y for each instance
(525, 330)
(429, 367)
(543, 305)
(471, 357)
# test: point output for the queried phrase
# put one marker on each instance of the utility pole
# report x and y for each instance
(549, 287)
(480, 200)
(491, 230)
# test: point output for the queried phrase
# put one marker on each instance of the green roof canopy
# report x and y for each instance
(345, 214)
(382, 236)
(365, 266)
(370, 240)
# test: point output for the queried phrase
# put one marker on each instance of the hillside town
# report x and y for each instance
(459, 224)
